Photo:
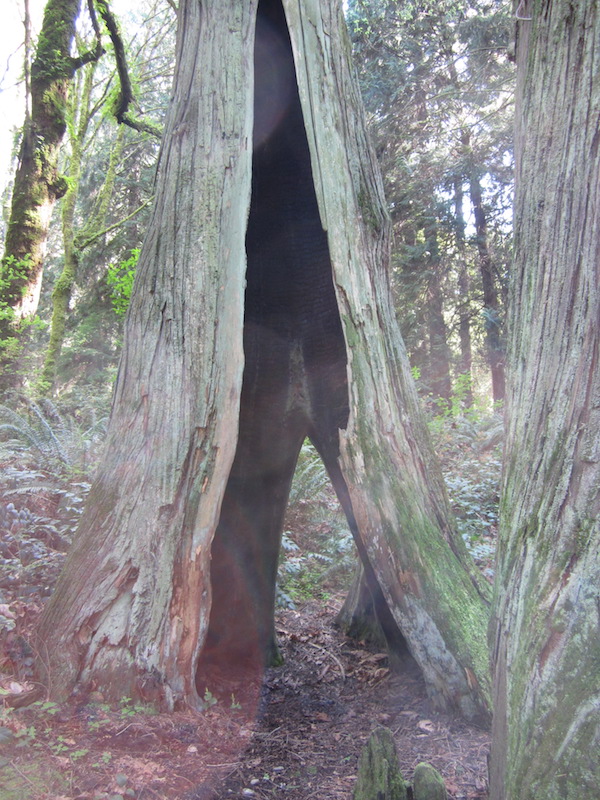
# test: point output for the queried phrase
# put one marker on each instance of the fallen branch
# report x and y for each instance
(335, 658)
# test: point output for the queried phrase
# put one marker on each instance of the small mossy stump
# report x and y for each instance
(428, 784)
(379, 776)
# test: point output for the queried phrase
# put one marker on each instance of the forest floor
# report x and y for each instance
(298, 736)
(295, 735)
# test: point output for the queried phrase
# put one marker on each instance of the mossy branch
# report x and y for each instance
(95, 53)
(83, 243)
(126, 96)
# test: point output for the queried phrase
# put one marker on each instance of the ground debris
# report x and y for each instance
(299, 738)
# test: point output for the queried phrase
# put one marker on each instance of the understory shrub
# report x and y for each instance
(469, 446)
(317, 550)
(46, 458)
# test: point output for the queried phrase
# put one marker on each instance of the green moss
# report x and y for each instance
(447, 593)
(352, 337)
(554, 729)
(428, 783)
(379, 774)
(55, 104)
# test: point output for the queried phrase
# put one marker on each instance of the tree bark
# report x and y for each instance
(438, 372)
(466, 351)
(137, 627)
(398, 500)
(379, 773)
(75, 242)
(546, 730)
(131, 608)
(61, 295)
(491, 306)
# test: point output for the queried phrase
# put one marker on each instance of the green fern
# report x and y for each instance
(310, 478)
(53, 440)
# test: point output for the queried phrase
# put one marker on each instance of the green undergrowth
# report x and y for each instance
(48, 451)
(318, 556)
(47, 457)
(469, 445)
(32, 744)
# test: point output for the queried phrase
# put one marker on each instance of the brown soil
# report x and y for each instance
(298, 736)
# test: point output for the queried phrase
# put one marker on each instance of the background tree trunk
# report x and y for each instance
(137, 627)
(494, 347)
(77, 117)
(465, 362)
(437, 376)
(546, 730)
(37, 182)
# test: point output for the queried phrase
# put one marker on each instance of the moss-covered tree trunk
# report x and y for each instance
(405, 527)
(131, 610)
(80, 114)
(37, 183)
(77, 119)
(546, 730)
(379, 772)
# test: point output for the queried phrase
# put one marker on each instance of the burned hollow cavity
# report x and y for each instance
(294, 381)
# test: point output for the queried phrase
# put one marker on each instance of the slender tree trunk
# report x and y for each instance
(74, 241)
(438, 371)
(546, 730)
(491, 305)
(61, 295)
(131, 610)
(466, 355)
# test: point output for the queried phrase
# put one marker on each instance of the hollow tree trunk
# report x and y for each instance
(131, 608)
(196, 455)
(546, 730)
(395, 487)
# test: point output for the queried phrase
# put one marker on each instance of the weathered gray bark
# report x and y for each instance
(395, 485)
(131, 609)
(546, 731)
(132, 606)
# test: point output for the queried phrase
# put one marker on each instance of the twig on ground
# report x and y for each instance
(331, 655)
